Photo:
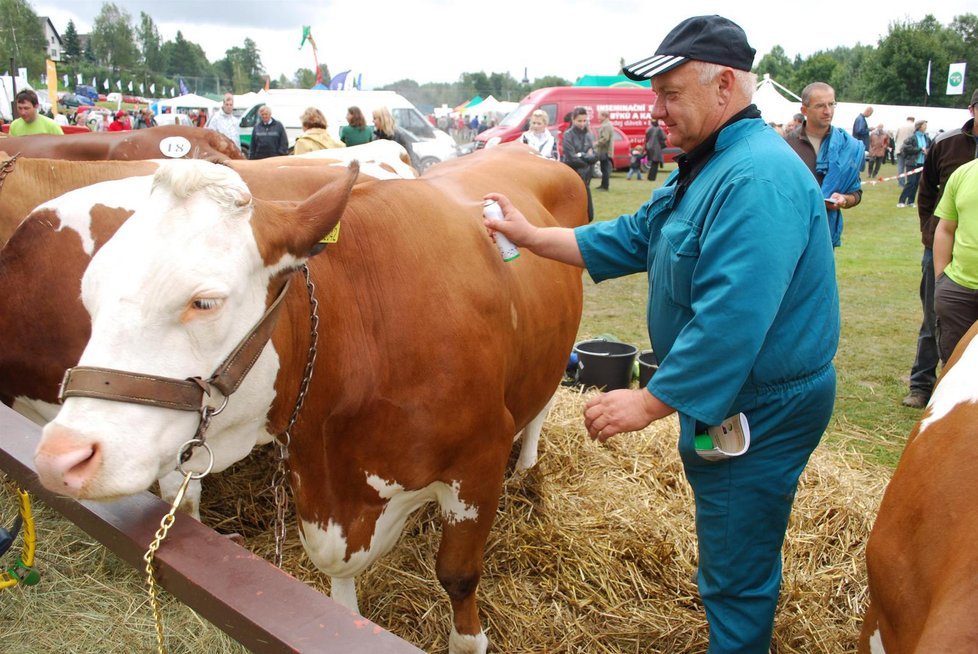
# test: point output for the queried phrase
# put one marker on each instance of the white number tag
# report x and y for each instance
(175, 147)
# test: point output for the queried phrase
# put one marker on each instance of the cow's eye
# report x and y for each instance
(206, 303)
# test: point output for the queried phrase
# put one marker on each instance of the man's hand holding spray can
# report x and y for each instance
(491, 211)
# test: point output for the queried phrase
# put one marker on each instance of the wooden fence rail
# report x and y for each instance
(257, 604)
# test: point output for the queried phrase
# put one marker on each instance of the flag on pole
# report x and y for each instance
(928, 77)
(152, 88)
(130, 86)
(64, 78)
(118, 84)
(78, 78)
(955, 78)
(105, 83)
(52, 74)
(142, 89)
(183, 87)
(94, 83)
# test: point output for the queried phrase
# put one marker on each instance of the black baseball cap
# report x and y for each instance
(713, 39)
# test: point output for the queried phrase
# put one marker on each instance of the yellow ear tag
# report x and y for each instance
(333, 236)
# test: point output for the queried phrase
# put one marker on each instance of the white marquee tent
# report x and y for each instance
(491, 106)
(775, 107)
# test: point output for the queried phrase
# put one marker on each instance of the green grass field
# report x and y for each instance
(878, 268)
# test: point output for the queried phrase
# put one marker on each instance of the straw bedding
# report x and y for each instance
(593, 551)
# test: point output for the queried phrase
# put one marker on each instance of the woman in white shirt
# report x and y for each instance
(539, 137)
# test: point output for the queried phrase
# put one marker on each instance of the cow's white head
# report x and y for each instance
(171, 294)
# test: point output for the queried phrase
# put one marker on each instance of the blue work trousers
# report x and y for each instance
(742, 509)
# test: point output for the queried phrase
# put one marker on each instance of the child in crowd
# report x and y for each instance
(635, 167)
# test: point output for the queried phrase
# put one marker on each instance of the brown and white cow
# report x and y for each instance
(43, 325)
(29, 181)
(922, 555)
(433, 353)
(163, 142)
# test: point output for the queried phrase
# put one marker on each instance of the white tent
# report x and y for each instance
(7, 95)
(189, 101)
(892, 116)
(491, 106)
(774, 106)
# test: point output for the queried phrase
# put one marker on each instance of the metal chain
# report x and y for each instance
(165, 525)
(183, 455)
(7, 167)
(283, 440)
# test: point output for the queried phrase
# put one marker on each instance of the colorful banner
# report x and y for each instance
(955, 78)
(52, 72)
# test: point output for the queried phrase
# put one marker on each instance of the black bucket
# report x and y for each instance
(648, 363)
(605, 364)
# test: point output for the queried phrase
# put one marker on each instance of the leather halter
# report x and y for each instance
(168, 392)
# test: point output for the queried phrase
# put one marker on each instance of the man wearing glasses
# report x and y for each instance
(833, 156)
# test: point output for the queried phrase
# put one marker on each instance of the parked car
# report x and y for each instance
(73, 101)
(87, 91)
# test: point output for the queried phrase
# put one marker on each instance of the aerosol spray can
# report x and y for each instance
(491, 210)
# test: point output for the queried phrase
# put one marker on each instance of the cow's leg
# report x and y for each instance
(170, 484)
(869, 636)
(343, 590)
(459, 564)
(531, 438)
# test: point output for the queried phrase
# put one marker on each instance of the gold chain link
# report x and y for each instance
(165, 525)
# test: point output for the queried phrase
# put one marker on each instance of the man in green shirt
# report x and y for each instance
(956, 258)
(31, 122)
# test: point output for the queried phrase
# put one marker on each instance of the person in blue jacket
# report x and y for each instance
(743, 312)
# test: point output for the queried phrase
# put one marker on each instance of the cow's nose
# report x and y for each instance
(66, 460)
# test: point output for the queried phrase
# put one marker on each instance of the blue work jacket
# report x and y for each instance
(743, 305)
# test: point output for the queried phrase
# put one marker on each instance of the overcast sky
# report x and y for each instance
(437, 40)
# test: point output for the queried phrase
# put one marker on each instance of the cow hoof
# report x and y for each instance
(460, 644)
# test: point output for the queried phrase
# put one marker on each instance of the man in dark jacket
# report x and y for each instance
(860, 132)
(578, 152)
(949, 151)
(268, 138)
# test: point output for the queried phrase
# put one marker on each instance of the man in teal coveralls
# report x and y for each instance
(743, 313)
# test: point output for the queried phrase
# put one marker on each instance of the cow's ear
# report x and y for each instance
(297, 229)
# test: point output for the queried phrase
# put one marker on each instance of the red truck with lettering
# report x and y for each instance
(630, 110)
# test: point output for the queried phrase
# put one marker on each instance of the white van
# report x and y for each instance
(431, 146)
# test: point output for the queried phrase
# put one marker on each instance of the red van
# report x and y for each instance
(630, 111)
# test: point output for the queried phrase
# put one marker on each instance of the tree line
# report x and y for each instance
(893, 71)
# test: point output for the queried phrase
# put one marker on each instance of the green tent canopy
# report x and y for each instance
(609, 80)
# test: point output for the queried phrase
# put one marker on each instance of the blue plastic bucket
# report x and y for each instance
(605, 364)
